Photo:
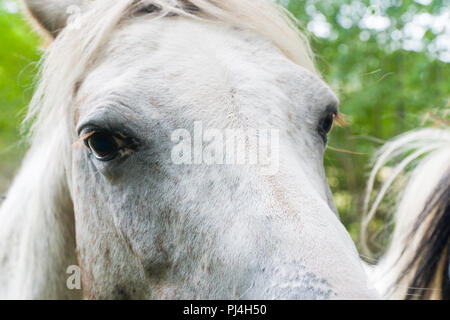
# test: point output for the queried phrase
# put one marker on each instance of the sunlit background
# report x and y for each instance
(388, 61)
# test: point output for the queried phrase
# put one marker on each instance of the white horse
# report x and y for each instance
(120, 79)
(99, 189)
(416, 264)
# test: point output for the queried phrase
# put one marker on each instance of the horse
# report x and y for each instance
(416, 264)
(112, 184)
(99, 188)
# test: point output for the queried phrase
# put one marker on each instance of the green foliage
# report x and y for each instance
(384, 89)
(18, 56)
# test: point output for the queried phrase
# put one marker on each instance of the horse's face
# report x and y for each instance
(148, 226)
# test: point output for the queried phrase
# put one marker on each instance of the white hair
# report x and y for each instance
(415, 217)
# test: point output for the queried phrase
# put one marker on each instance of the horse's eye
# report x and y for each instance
(327, 123)
(104, 146)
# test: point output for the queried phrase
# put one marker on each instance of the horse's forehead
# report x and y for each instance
(180, 49)
(197, 64)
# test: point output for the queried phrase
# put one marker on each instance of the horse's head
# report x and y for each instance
(165, 206)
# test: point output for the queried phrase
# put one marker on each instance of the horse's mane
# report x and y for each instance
(432, 255)
(75, 49)
(416, 263)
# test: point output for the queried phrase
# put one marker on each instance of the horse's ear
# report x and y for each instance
(49, 17)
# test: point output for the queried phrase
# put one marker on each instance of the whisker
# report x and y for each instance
(416, 288)
(346, 151)
(251, 286)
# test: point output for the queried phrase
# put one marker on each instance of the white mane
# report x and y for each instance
(431, 149)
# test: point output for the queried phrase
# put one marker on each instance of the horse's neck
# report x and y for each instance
(37, 241)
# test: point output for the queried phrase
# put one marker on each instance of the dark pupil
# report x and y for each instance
(327, 123)
(102, 144)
